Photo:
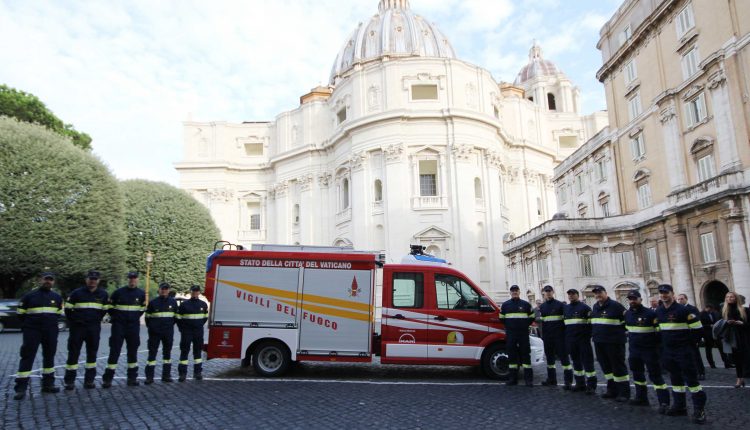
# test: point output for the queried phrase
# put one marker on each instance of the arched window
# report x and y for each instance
(434, 250)
(551, 101)
(481, 235)
(539, 206)
(477, 188)
(378, 190)
(345, 194)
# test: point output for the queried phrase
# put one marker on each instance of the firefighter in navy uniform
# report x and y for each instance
(126, 306)
(608, 333)
(697, 335)
(578, 342)
(676, 327)
(39, 312)
(160, 319)
(643, 346)
(517, 316)
(191, 317)
(553, 334)
(85, 308)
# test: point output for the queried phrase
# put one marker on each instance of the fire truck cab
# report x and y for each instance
(273, 308)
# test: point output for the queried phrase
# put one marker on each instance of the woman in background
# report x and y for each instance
(735, 315)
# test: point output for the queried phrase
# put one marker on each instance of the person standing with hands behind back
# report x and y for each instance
(735, 316)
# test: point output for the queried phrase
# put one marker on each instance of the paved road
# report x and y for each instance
(335, 396)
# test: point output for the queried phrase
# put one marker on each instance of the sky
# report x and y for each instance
(130, 72)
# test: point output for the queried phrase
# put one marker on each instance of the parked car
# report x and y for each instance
(9, 316)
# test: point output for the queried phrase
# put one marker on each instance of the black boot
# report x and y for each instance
(699, 416)
(623, 391)
(166, 372)
(22, 384)
(69, 380)
(641, 396)
(551, 380)
(512, 377)
(679, 406)
(591, 385)
(580, 384)
(568, 379)
(611, 392)
(48, 384)
(150, 370)
(107, 378)
(528, 376)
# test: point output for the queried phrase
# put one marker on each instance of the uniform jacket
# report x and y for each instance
(552, 314)
(127, 305)
(86, 307)
(577, 324)
(160, 314)
(608, 322)
(642, 327)
(192, 314)
(517, 315)
(40, 309)
(676, 325)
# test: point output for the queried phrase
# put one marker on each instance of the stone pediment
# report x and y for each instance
(432, 233)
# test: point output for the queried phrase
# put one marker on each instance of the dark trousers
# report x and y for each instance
(33, 337)
(680, 364)
(640, 360)
(582, 356)
(165, 339)
(698, 359)
(130, 334)
(710, 344)
(80, 333)
(192, 337)
(738, 356)
(611, 358)
(519, 354)
(554, 349)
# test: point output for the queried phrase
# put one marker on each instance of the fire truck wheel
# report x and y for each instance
(271, 358)
(495, 362)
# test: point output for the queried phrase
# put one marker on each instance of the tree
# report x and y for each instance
(171, 224)
(60, 208)
(28, 108)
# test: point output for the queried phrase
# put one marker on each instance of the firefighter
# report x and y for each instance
(697, 334)
(39, 312)
(578, 342)
(643, 347)
(191, 317)
(160, 319)
(676, 327)
(126, 306)
(85, 308)
(553, 335)
(518, 316)
(608, 333)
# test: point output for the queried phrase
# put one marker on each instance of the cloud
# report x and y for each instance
(129, 73)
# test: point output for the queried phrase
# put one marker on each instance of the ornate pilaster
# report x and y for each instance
(725, 133)
(673, 146)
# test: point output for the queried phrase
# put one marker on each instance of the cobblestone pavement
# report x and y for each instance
(335, 396)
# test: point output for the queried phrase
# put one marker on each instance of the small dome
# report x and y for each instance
(537, 66)
(395, 31)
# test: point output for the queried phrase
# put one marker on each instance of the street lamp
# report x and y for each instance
(149, 260)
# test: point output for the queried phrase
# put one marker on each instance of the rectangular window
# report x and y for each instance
(253, 149)
(685, 20)
(690, 63)
(644, 196)
(542, 269)
(626, 34)
(455, 293)
(695, 110)
(605, 209)
(253, 210)
(428, 178)
(630, 72)
(579, 183)
(638, 147)
(623, 263)
(424, 92)
(568, 142)
(529, 272)
(634, 106)
(706, 168)
(600, 170)
(708, 248)
(587, 264)
(563, 195)
(341, 115)
(408, 290)
(652, 264)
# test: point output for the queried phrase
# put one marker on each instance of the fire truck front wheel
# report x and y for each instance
(495, 362)
(271, 358)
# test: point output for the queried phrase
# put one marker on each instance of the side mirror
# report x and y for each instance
(484, 305)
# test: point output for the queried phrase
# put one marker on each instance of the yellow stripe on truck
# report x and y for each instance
(286, 294)
(331, 312)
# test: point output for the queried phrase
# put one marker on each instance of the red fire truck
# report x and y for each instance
(271, 309)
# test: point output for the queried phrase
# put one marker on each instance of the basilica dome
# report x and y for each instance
(395, 31)
(537, 66)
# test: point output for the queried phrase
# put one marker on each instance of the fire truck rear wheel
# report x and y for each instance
(271, 358)
(495, 362)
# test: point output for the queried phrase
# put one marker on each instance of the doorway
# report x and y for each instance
(713, 294)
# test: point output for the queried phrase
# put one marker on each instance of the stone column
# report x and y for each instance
(682, 277)
(727, 142)
(738, 259)
(673, 145)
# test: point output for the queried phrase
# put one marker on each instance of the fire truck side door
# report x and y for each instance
(404, 323)
(457, 327)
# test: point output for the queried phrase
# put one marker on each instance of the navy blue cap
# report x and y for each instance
(572, 291)
(548, 288)
(46, 275)
(93, 274)
(634, 294)
(598, 288)
(195, 288)
(164, 286)
(132, 275)
(514, 287)
(666, 288)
